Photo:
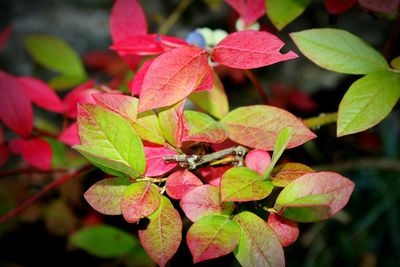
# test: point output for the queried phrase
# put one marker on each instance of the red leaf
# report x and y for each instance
(338, 6)
(4, 153)
(155, 164)
(35, 152)
(284, 174)
(81, 94)
(4, 35)
(172, 76)
(207, 82)
(249, 10)
(41, 94)
(236, 51)
(213, 175)
(127, 19)
(1, 136)
(202, 201)
(181, 182)
(286, 230)
(169, 42)
(258, 160)
(70, 135)
(383, 6)
(15, 107)
(142, 45)
(135, 85)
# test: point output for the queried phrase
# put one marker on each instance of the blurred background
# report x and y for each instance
(366, 233)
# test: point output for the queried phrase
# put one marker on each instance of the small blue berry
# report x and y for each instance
(196, 38)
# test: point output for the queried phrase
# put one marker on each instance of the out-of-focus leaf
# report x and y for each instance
(383, 6)
(282, 12)
(249, 11)
(70, 135)
(339, 6)
(35, 152)
(80, 94)
(4, 35)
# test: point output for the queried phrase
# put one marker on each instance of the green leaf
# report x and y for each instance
(62, 82)
(170, 120)
(148, 128)
(105, 195)
(242, 184)
(104, 241)
(284, 174)
(314, 196)
(212, 236)
(200, 127)
(55, 54)
(339, 50)
(259, 245)
(281, 143)
(258, 126)
(282, 12)
(214, 101)
(139, 200)
(395, 63)
(110, 140)
(163, 234)
(368, 101)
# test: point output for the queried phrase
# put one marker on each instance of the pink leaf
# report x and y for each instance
(249, 10)
(207, 82)
(81, 94)
(35, 152)
(41, 94)
(15, 107)
(127, 19)
(383, 6)
(338, 6)
(70, 135)
(236, 51)
(172, 76)
(286, 230)
(204, 200)
(213, 175)
(155, 164)
(181, 182)
(258, 160)
(4, 35)
(135, 85)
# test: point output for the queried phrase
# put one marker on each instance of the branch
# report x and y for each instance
(56, 183)
(257, 85)
(173, 18)
(321, 119)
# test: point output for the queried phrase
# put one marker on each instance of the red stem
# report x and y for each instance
(56, 183)
(257, 85)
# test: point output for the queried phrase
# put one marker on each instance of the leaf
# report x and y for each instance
(135, 85)
(148, 128)
(15, 107)
(386, 6)
(242, 184)
(142, 45)
(395, 63)
(103, 241)
(62, 82)
(236, 52)
(284, 137)
(367, 102)
(339, 50)
(214, 101)
(55, 54)
(316, 196)
(200, 127)
(259, 245)
(258, 160)
(139, 200)
(339, 6)
(202, 201)
(4, 35)
(212, 237)
(249, 11)
(283, 12)
(181, 182)
(124, 105)
(108, 135)
(36, 152)
(155, 164)
(125, 14)
(258, 127)
(206, 82)
(70, 135)
(287, 231)
(179, 71)
(170, 120)
(213, 175)
(163, 234)
(81, 94)
(41, 94)
(105, 195)
(284, 174)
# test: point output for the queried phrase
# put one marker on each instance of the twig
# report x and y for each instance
(15, 172)
(257, 85)
(173, 18)
(56, 183)
(322, 119)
